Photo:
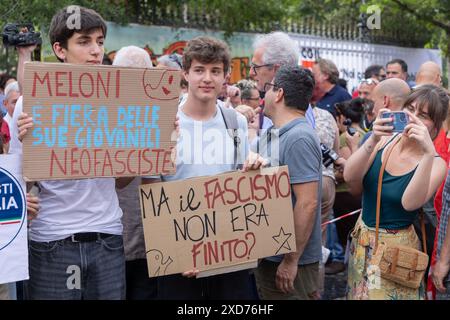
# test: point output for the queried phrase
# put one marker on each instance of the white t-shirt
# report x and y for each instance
(72, 206)
(204, 148)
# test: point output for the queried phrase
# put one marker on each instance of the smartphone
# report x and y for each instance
(399, 120)
(351, 131)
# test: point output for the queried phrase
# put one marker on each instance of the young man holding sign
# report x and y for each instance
(206, 149)
(294, 275)
(76, 247)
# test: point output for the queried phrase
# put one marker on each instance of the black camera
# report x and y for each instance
(351, 131)
(16, 35)
(328, 155)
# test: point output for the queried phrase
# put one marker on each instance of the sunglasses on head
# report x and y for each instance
(369, 81)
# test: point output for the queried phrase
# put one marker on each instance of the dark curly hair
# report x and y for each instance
(352, 109)
(297, 84)
(206, 50)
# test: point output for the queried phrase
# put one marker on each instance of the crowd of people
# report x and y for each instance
(337, 144)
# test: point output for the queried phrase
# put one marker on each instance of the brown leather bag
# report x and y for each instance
(401, 264)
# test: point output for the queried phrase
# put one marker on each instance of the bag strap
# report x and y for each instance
(231, 124)
(380, 184)
(378, 207)
(422, 227)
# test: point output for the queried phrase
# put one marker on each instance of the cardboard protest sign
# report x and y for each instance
(98, 121)
(13, 227)
(217, 221)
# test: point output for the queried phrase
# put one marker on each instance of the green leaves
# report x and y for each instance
(406, 22)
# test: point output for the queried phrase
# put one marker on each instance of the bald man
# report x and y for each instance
(390, 94)
(429, 73)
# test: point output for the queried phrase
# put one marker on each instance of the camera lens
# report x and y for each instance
(347, 122)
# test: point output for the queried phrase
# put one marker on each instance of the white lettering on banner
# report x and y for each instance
(13, 230)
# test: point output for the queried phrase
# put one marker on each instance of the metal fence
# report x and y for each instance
(195, 15)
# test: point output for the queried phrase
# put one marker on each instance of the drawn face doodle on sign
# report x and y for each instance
(161, 84)
(157, 264)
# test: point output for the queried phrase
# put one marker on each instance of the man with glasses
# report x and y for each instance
(389, 94)
(294, 275)
(366, 87)
(271, 51)
(249, 93)
(375, 72)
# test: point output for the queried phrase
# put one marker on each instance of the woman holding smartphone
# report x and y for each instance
(412, 175)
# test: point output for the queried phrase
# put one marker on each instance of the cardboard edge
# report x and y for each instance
(39, 66)
(263, 171)
(237, 267)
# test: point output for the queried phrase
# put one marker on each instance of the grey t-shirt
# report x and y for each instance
(299, 149)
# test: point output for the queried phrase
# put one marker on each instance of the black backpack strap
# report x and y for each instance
(231, 124)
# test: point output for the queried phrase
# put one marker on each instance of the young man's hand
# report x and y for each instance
(24, 123)
(32, 206)
(177, 125)
(247, 111)
(233, 91)
(191, 273)
(254, 162)
(352, 141)
(26, 51)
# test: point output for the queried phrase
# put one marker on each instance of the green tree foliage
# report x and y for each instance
(424, 22)
(40, 12)
(430, 16)
(234, 15)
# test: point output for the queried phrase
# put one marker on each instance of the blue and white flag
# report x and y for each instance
(13, 222)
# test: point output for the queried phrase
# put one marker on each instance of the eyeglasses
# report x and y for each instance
(369, 81)
(255, 66)
(268, 85)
